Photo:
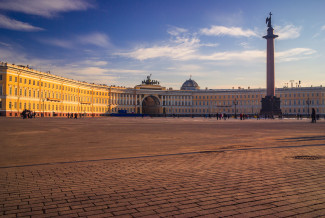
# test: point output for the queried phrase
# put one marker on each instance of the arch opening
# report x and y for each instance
(151, 105)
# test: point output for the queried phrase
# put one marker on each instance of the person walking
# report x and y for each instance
(313, 115)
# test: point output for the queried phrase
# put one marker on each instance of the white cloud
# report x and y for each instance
(288, 32)
(231, 31)
(236, 55)
(45, 8)
(175, 31)
(8, 23)
(209, 44)
(323, 27)
(180, 49)
(5, 44)
(58, 42)
(98, 39)
(294, 54)
(96, 63)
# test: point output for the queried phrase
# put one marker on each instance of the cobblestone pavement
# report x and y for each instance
(275, 182)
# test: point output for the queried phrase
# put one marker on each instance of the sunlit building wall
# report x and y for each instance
(50, 95)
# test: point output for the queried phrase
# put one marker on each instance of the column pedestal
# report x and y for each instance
(271, 106)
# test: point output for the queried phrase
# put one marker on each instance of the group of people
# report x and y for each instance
(28, 114)
(72, 115)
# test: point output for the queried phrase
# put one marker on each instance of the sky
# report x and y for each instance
(218, 43)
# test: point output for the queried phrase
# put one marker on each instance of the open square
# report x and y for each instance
(158, 167)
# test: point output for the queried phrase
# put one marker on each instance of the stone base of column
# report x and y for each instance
(271, 106)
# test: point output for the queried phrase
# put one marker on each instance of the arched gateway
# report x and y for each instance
(151, 105)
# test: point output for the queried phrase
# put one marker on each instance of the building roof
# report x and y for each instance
(190, 85)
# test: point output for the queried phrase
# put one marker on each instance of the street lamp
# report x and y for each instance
(43, 100)
(235, 103)
(308, 102)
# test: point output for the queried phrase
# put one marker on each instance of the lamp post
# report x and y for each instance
(43, 100)
(235, 103)
(308, 102)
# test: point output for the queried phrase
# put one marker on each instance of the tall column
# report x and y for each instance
(270, 87)
(271, 103)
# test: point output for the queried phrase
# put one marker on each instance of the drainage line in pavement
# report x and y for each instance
(161, 155)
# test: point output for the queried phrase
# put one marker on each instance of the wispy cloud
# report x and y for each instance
(230, 31)
(58, 42)
(288, 32)
(5, 44)
(248, 55)
(209, 44)
(45, 8)
(180, 49)
(323, 27)
(294, 54)
(98, 39)
(8, 23)
(175, 31)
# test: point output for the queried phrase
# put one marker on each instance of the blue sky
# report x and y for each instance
(120, 42)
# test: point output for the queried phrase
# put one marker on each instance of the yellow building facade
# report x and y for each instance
(49, 95)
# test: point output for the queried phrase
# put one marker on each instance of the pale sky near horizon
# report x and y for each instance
(218, 42)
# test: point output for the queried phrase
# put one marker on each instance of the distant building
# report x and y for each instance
(44, 93)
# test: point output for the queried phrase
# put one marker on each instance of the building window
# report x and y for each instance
(0, 76)
(10, 104)
(10, 90)
(16, 79)
(10, 78)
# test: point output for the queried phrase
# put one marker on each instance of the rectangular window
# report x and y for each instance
(0, 76)
(29, 82)
(15, 91)
(16, 79)
(0, 90)
(20, 80)
(10, 78)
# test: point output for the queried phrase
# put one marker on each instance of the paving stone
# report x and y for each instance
(261, 181)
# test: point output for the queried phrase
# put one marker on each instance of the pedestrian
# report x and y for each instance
(76, 116)
(313, 115)
(24, 114)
